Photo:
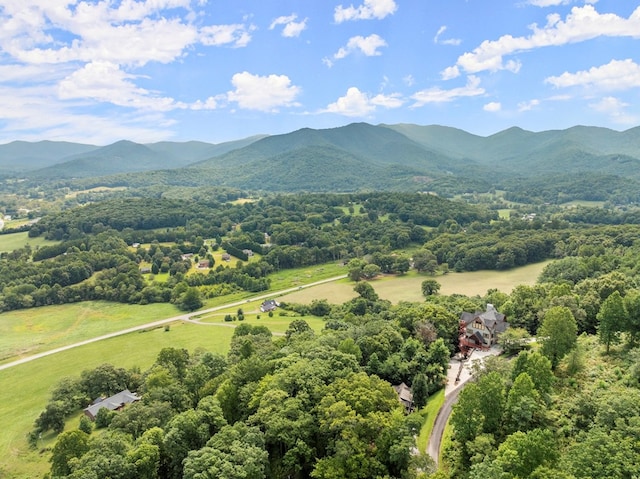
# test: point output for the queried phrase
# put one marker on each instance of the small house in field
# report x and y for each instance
(113, 403)
(269, 305)
(405, 396)
(203, 264)
(226, 257)
(480, 330)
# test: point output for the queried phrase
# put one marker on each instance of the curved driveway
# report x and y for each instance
(162, 322)
(451, 392)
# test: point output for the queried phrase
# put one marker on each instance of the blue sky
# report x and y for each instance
(216, 70)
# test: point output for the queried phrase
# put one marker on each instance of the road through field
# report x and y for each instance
(162, 322)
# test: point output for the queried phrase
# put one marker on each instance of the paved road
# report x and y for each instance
(451, 392)
(162, 322)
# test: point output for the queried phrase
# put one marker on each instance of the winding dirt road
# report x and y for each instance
(162, 322)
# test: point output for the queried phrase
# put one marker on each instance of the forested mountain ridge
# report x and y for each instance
(364, 157)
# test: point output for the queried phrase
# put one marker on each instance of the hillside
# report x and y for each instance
(360, 156)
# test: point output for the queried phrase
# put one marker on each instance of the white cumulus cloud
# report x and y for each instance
(492, 106)
(368, 46)
(615, 75)
(581, 24)
(369, 10)
(263, 93)
(439, 95)
(359, 104)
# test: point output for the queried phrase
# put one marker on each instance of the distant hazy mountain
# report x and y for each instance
(359, 156)
(22, 156)
(87, 161)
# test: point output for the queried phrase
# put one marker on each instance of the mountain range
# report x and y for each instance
(349, 158)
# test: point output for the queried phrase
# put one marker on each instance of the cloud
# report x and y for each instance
(409, 80)
(450, 73)
(106, 82)
(291, 27)
(615, 75)
(32, 114)
(450, 41)
(236, 35)
(263, 93)
(358, 104)
(438, 95)
(85, 54)
(369, 10)
(528, 105)
(492, 106)
(583, 23)
(366, 45)
(553, 3)
(614, 108)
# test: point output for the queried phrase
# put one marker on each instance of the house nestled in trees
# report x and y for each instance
(113, 403)
(405, 396)
(480, 330)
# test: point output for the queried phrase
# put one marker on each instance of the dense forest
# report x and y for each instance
(94, 258)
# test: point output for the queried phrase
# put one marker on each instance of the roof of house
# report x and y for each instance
(404, 393)
(491, 318)
(269, 305)
(112, 403)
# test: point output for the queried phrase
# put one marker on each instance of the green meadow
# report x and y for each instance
(13, 241)
(408, 287)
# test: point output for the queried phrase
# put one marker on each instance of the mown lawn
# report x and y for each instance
(408, 287)
(429, 413)
(25, 389)
(30, 331)
(13, 241)
(278, 323)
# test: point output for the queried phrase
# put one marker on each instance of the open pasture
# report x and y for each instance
(13, 241)
(408, 287)
(30, 331)
(278, 323)
(25, 389)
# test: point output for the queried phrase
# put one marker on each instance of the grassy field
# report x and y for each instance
(277, 323)
(429, 413)
(408, 287)
(24, 389)
(30, 331)
(13, 241)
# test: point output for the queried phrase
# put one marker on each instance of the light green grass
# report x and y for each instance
(25, 389)
(408, 287)
(30, 331)
(588, 204)
(290, 278)
(276, 323)
(13, 241)
(429, 413)
(336, 292)
(505, 213)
